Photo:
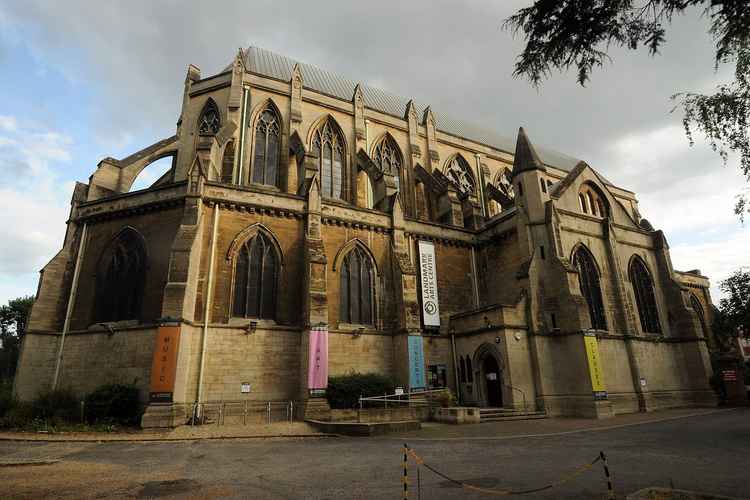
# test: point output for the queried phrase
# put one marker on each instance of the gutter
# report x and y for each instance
(209, 300)
(71, 301)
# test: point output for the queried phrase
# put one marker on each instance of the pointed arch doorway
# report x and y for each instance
(492, 382)
(490, 375)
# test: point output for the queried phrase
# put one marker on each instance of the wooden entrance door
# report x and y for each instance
(493, 382)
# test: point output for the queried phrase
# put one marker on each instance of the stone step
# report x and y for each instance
(529, 416)
(505, 414)
(504, 411)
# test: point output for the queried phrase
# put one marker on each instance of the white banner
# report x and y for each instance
(428, 278)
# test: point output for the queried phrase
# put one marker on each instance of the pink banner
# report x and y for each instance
(317, 364)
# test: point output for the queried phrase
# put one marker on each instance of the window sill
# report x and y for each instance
(245, 322)
(269, 188)
(114, 325)
(353, 327)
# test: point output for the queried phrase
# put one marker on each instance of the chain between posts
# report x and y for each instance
(419, 461)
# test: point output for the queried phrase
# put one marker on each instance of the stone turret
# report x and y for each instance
(529, 174)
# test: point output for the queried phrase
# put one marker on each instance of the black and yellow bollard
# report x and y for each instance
(610, 491)
(406, 472)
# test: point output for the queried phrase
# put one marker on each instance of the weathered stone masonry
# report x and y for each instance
(356, 173)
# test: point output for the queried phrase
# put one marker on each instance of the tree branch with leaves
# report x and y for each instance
(565, 34)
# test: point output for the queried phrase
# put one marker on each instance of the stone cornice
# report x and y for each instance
(124, 205)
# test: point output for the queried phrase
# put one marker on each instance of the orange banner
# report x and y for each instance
(164, 364)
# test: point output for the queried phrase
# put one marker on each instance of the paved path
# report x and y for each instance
(182, 433)
(710, 452)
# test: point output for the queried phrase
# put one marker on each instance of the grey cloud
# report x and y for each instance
(454, 56)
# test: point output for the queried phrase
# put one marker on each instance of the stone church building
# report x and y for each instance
(310, 226)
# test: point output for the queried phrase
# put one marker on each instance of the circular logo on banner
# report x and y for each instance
(430, 307)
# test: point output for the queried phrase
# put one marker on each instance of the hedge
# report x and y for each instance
(344, 391)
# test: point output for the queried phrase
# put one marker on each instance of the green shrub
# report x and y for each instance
(344, 391)
(446, 399)
(6, 397)
(19, 416)
(56, 407)
(114, 403)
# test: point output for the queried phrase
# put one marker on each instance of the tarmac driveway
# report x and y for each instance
(706, 453)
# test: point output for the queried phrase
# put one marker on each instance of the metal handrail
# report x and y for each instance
(236, 408)
(399, 398)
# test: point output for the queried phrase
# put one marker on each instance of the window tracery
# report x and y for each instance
(267, 148)
(121, 278)
(357, 288)
(643, 286)
(588, 279)
(387, 156)
(328, 144)
(505, 184)
(591, 201)
(459, 173)
(255, 278)
(209, 122)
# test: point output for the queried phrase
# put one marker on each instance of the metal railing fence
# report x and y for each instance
(240, 412)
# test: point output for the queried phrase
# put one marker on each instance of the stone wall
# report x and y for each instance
(90, 360)
(158, 230)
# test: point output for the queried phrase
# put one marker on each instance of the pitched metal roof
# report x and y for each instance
(269, 64)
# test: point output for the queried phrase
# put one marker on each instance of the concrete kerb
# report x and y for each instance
(20, 463)
(73, 439)
(564, 433)
(139, 438)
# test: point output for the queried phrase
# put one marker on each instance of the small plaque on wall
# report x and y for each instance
(245, 387)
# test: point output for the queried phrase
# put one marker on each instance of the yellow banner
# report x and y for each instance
(595, 366)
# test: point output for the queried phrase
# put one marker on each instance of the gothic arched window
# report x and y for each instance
(267, 148)
(227, 163)
(255, 277)
(582, 202)
(592, 201)
(505, 184)
(387, 156)
(698, 308)
(357, 288)
(588, 279)
(209, 122)
(120, 278)
(328, 144)
(643, 286)
(459, 173)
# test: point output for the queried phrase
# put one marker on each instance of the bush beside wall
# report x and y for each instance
(344, 391)
(107, 405)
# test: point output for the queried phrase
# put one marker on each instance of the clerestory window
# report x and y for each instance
(328, 144)
(267, 149)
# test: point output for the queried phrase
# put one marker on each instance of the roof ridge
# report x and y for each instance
(269, 63)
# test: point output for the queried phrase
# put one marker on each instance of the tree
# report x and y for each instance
(561, 34)
(734, 309)
(13, 319)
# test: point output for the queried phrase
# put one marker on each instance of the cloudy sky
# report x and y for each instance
(81, 80)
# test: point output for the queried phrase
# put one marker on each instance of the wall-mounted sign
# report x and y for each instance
(729, 375)
(317, 362)
(643, 382)
(428, 281)
(245, 387)
(417, 379)
(164, 364)
(595, 366)
(399, 391)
